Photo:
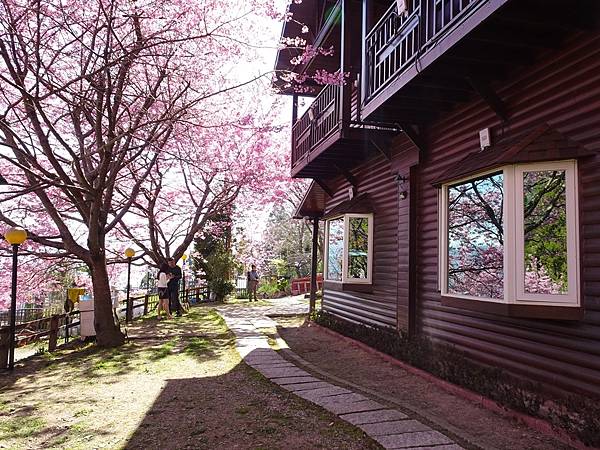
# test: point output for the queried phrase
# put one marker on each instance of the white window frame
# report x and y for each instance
(345, 277)
(513, 257)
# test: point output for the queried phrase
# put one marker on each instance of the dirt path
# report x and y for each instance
(178, 384)
(478, 427)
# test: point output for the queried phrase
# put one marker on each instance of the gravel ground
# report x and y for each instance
(478, 427)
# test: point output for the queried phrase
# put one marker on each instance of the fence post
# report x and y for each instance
(145, 304)
(53, 339)
(67, 316)
(4, 344)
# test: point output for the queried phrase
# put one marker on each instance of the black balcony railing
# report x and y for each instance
(395, 42)
(322, 119)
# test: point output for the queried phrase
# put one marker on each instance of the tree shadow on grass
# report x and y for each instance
(239, 409)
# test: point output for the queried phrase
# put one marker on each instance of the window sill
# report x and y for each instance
(512, 310)
(344, 287)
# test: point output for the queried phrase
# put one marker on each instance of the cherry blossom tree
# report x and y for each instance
(93, 95)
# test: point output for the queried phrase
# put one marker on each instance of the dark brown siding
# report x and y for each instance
(378, 307)
(563, 89)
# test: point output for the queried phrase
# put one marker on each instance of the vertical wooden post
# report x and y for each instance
(53, 338)
(294, 109)
(412, 251)
(145, 304)
(67, 317)
(365, 70)
(313, 266)
(345, 65)
(4, 348)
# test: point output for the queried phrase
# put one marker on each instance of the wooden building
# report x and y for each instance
(457, 174)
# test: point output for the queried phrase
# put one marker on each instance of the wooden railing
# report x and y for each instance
(395, 42)
(317, 124)
(60, 325)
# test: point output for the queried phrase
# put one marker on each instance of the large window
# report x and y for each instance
(511, 235)
(348, 252)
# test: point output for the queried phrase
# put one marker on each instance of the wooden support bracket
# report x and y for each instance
(323, 186)
(347, 175)
(414, 136)
(385, 153)
(489, 96)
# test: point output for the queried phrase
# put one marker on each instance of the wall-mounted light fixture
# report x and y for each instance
(401, 180)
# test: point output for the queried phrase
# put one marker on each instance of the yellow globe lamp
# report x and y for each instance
(15, 235)
(129, 252)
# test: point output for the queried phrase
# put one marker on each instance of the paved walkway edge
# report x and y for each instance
(391, 428)
(532, 422)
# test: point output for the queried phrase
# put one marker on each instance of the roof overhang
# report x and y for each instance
(313, 204)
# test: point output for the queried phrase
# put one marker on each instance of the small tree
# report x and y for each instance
(215, 258)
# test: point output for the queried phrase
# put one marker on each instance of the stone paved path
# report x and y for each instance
(391, 428)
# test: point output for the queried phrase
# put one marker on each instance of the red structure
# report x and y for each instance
(457, 175)
(302, 285)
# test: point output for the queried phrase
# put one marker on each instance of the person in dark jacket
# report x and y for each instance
(173, 285)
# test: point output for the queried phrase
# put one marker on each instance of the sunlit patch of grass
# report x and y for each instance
(198, 346)
(20, 427)
(164, 350)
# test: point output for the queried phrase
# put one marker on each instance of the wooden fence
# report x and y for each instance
(61, 325)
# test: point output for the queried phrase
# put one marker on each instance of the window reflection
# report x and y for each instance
(475, 237)
(545, 229)
(335, 249)
(358, 247)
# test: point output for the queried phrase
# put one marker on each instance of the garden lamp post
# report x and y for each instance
(129, 253)
(14, 236)
(184, 258)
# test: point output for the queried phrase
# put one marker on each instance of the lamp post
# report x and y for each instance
(129, 253)
(14, 236)
(184, 259)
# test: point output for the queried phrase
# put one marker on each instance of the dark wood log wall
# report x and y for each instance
(377, 307)
(562, 89)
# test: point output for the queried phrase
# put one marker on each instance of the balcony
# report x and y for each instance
(330, 138)
(441, 52)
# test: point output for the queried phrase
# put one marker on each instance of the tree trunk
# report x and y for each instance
(108, 333)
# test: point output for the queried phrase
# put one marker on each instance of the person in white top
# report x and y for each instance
(164, 276)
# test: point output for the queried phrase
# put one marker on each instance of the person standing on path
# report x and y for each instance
(175, 271)
(252, 283)
(164, 274)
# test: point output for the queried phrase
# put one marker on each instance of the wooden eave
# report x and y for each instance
(313, 203)
(542, 143)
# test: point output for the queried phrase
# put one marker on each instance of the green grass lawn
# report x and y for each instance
(176, 384)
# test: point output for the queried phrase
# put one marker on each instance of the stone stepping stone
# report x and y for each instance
(267, 366)
(295, 380)
(417, 439)
(345, 408)
(330, 393)
(395, 427)
(283, 373)
(297, 387)
(374, 416)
